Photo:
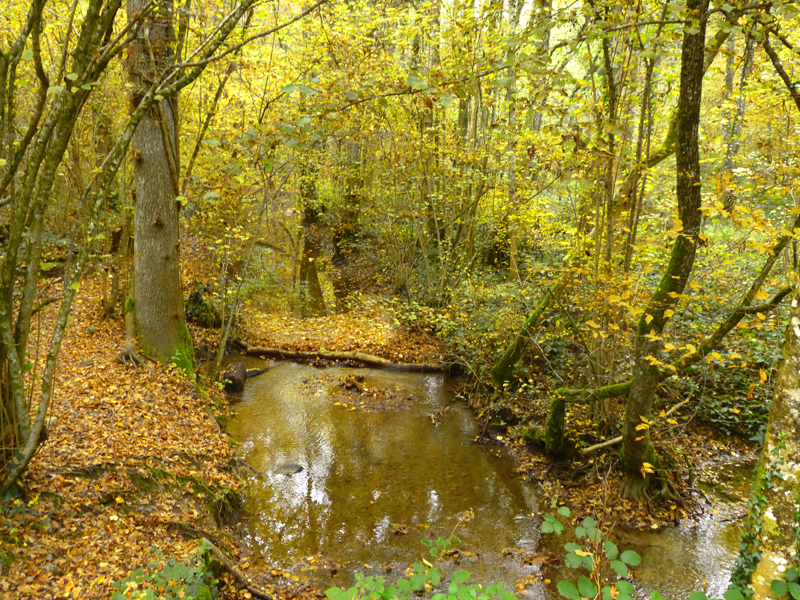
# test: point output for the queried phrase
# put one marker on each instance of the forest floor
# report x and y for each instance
(135, 467)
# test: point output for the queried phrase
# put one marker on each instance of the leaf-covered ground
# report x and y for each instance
(135, 466)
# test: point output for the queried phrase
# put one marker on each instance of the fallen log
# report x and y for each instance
(369, 360)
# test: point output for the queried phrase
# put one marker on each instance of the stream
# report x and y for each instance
(357, 466)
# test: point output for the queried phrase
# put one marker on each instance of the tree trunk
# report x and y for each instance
(312, 301)
(637, 449)
(158, 297)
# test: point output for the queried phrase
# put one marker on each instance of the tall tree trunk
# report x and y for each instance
(312, 302)
(158, 297)
(637, 449)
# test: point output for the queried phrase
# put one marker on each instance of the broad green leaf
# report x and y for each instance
(654, 595)
(625, 587)
(55, 89)
(697, 596)
(564, 511)
(573, 561)
(446, 100)
(71, 76)
(586, 587)
(611, 550)
(27, 55)
(568, 590)
(631, 558)
(620, 568)
(733, 594)
(416, 83)
(460, 576)
(794, 589)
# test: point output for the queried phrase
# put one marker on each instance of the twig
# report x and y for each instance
(618, 439)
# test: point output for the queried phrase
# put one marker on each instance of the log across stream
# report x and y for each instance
(357, 466)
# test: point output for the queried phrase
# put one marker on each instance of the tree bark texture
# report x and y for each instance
(637, 447)
(158, 297)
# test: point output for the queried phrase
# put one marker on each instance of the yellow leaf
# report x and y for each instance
(669, 347)
(760, 316)
(668, 313)
(762, 295)
(582, 553)
(642, 426)
(762, 375)
(672, 421)
(690, 348)
(592, 324)
(119, 500)
(648, 318)
(644, 419)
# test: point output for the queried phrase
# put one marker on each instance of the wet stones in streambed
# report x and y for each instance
(288, 469)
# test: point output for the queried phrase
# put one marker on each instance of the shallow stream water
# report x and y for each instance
(378, 478)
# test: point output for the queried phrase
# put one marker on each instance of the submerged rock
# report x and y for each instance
(288, 469)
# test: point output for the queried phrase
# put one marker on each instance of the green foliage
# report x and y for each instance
(589, 554)
(201, 310)
(750, 544)
(424, 579)
(170, 579)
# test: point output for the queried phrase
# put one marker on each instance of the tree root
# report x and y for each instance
(634, 487)
(257, 590)
(128, 357)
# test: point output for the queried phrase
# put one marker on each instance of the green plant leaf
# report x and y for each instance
(625, 587)
(573, 561)
(611, 550)
(460, 576)
(564, 511)
(697, 596)
(416, 82)
(794, 589)
(733, 594)
(655, 595)
(620, 568)
(586, 588)
(631, 558)
(568, 590)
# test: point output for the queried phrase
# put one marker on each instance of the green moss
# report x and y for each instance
(554, 425)
(129, 305)
(183, 357)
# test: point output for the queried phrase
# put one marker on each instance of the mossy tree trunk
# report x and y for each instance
(637, 449)
(158, 300)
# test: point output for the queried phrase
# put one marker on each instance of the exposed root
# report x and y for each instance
(128, 357)
(241, 578)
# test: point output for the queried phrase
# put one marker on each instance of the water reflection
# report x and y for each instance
(374, 483)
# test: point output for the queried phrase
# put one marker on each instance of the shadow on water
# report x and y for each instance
(344, 490)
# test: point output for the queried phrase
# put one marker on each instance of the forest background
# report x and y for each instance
(499, 175)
